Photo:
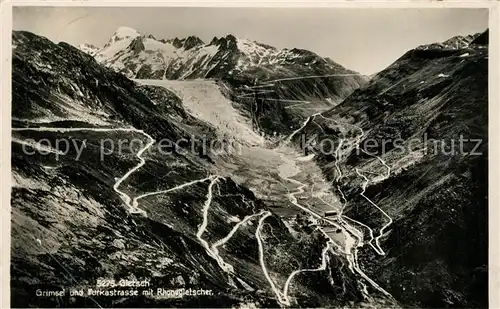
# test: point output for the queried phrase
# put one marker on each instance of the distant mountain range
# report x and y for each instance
(139, 55)
(456, 42)
(240, 64)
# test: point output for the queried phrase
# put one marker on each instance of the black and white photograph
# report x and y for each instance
(249, 157)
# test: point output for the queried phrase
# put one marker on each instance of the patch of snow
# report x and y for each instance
(233, 219)
(442, 75)
(306, 158)
(290, 229)
(464, 55)
(49, 167)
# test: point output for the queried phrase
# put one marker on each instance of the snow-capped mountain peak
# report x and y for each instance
(142, 56)
(124, 33)
(119, 41)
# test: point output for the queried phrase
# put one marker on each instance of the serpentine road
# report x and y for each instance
(288, 170)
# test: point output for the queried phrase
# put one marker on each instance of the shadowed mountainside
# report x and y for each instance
(411, 118)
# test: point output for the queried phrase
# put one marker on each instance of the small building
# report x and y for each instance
(330, 214)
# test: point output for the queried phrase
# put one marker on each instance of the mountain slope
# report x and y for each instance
(408, 122)
(74, 214)
(145, 57)
(456, 42)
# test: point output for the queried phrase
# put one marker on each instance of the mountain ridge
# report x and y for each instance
(435, 192)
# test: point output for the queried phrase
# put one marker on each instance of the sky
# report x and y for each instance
(364, 40)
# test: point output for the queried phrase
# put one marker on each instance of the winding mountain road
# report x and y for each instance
(125, 197)
(133, 204)
(352, 230)
(354, 237)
